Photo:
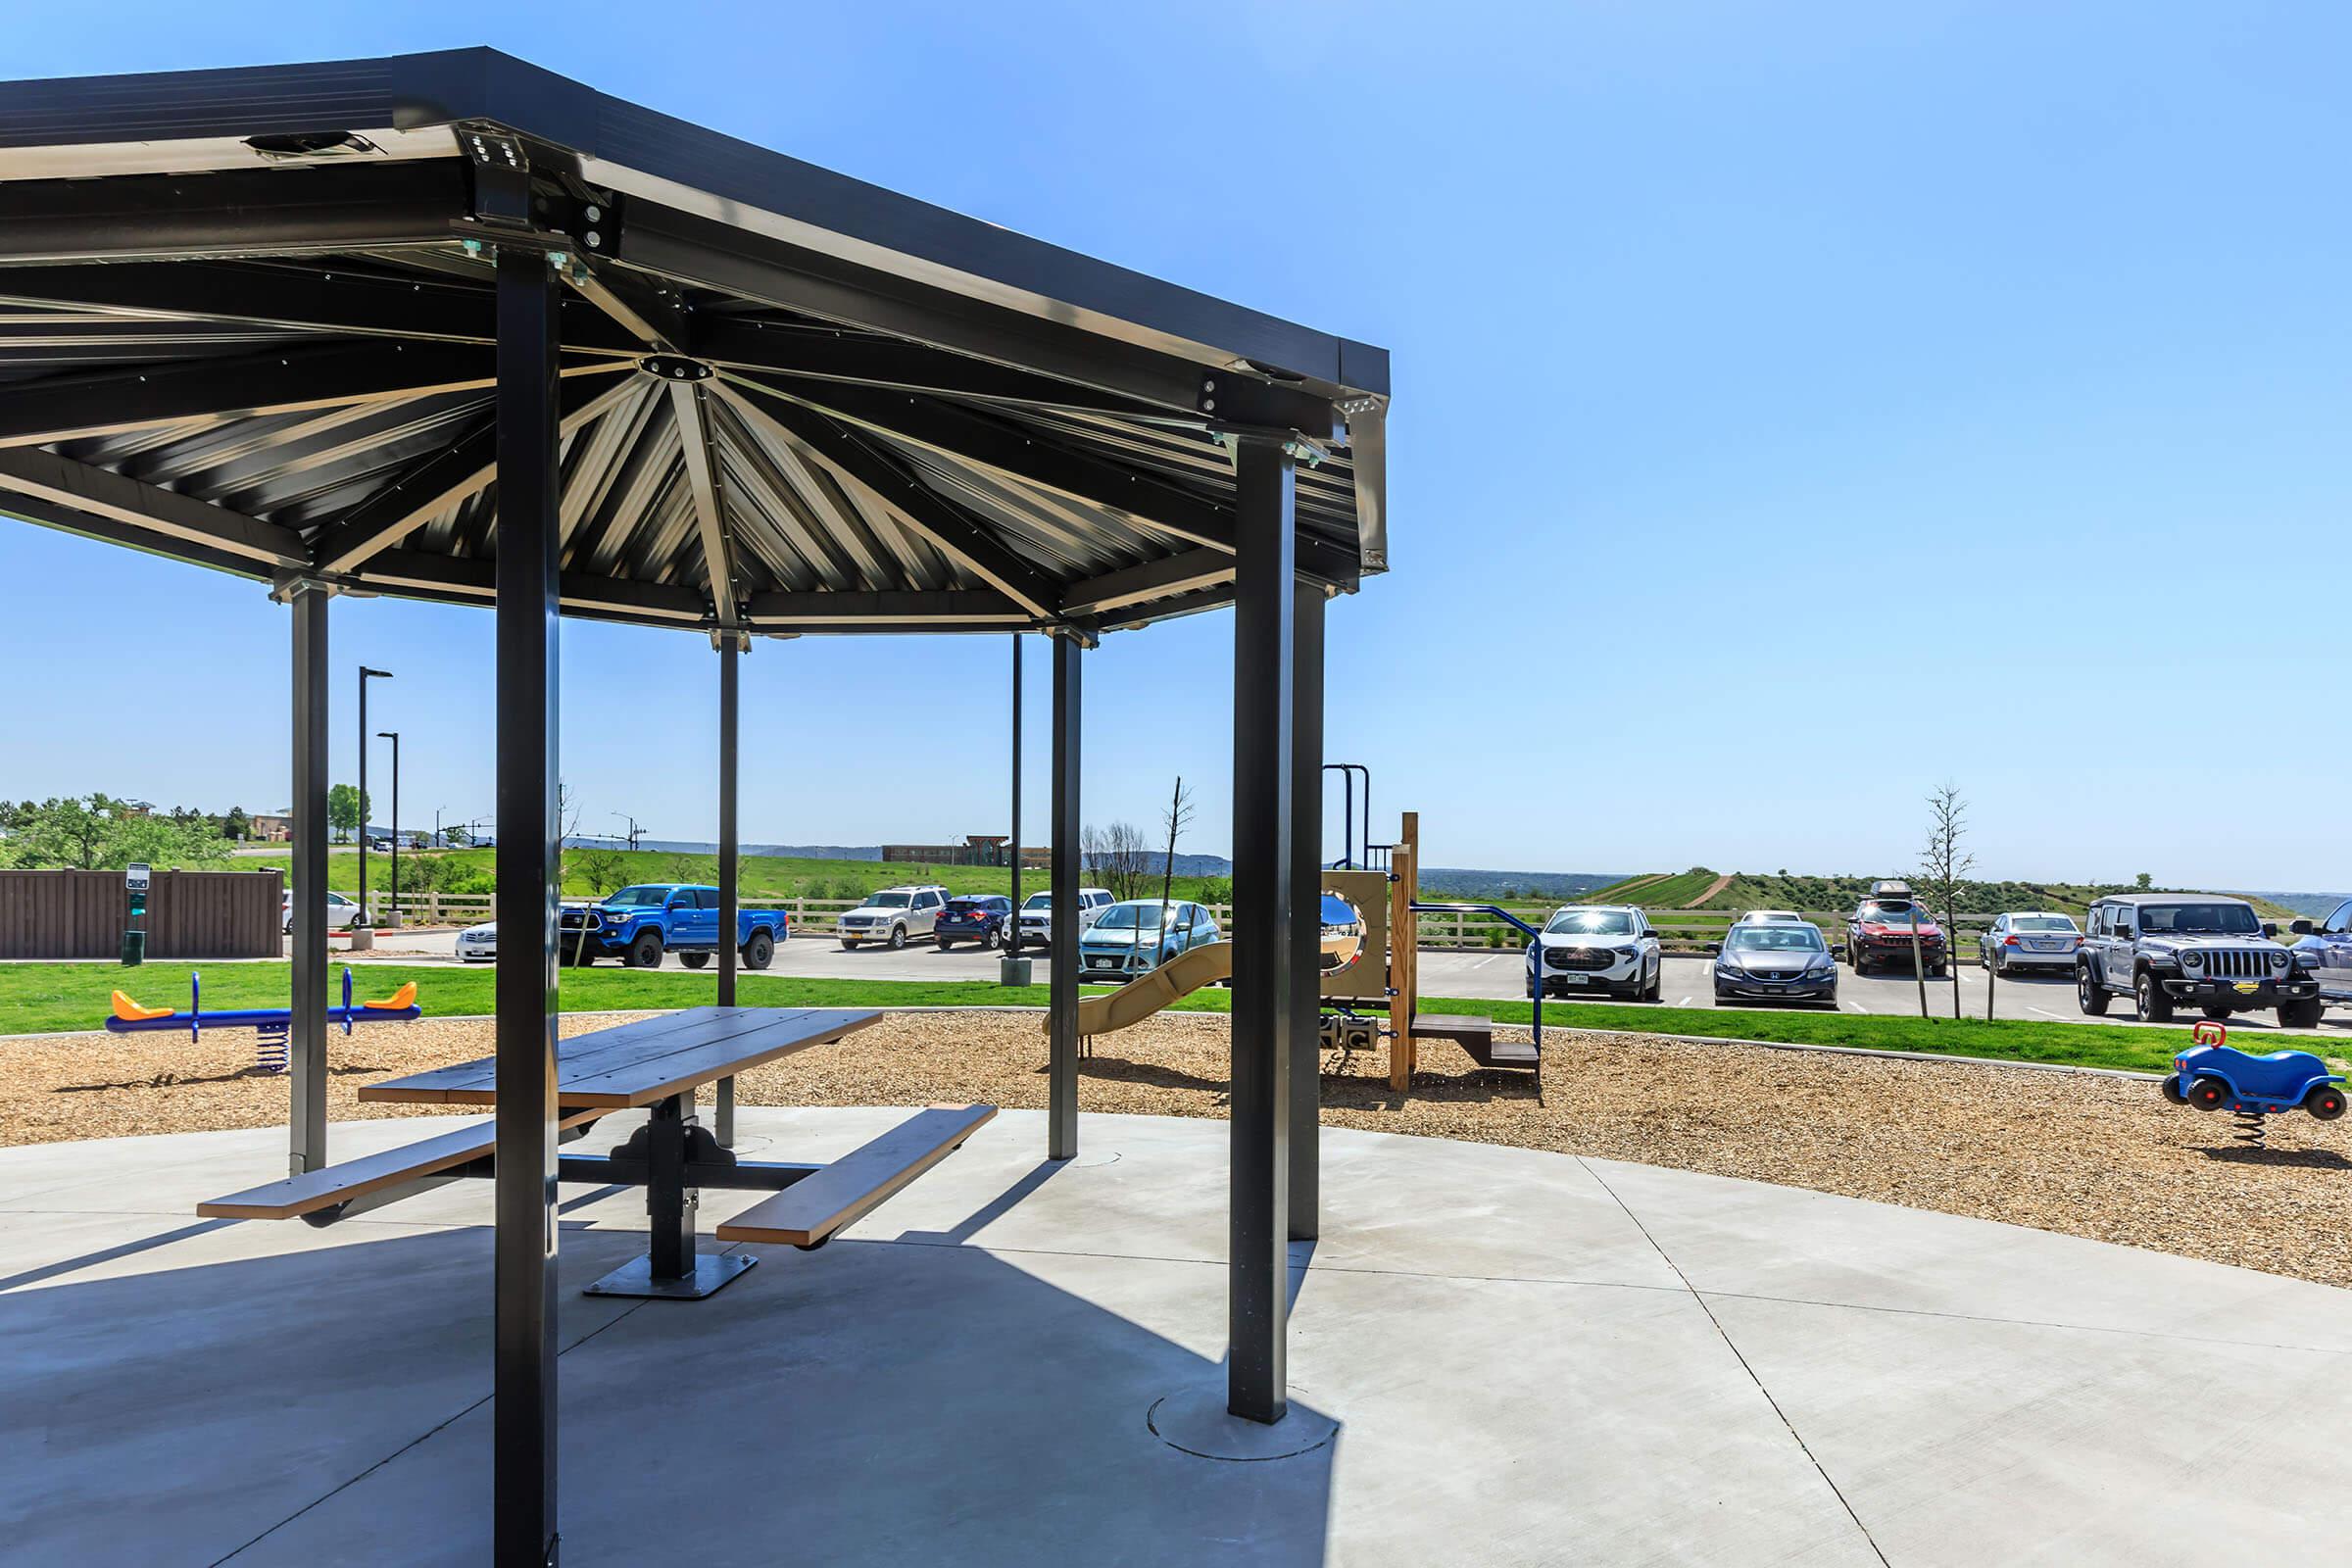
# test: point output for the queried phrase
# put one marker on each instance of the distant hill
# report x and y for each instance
(1783, 890)
(2315, 906)
(1458, 884)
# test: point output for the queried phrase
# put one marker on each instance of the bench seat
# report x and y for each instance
(812, 1209)
(318, 1189)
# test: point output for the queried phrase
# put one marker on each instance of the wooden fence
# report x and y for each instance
(190, 915)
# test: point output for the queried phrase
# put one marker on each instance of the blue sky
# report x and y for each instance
(1797, 408)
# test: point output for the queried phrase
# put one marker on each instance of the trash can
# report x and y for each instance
(134, 948)
(1012, 971)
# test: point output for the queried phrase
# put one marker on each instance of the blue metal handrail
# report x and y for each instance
(1501, 913)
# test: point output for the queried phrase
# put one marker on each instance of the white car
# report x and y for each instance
(478, 944)
(1037, 913)
(2030, 938)
(1596, 948)
(342, 914)
(892, 916)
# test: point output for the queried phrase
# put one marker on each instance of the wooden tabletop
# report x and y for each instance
(638, 1063)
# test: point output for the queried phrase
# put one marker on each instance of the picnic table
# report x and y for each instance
(654, 1064)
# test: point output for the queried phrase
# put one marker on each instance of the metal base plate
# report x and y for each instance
(636, 1277)
(1194, 1420)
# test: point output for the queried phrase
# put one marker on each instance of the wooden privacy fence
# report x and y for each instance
(190, 915)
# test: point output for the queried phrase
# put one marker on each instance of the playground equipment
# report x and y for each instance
(271, 1025)
(2214, 1075)
(1384, 976)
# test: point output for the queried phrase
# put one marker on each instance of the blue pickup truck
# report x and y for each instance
(639, 923)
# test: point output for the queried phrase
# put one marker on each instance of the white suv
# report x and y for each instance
(1037, 913)
(892, 916)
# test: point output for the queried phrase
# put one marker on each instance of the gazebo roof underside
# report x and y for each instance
(247, 320)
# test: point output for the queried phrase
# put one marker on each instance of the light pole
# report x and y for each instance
(393, 736)
(366, 675)
(636, 829)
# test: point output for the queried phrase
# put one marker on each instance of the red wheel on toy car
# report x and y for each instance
(2325, 1102)
(2208, 1092)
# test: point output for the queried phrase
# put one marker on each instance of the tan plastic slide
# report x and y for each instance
(1147, 994)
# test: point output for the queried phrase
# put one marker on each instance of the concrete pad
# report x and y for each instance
(1964, 1442)
(1750, 1238)
(966, 1375)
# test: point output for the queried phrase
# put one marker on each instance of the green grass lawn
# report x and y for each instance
(43, 998)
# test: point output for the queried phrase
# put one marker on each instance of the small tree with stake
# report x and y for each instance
(1179, 817)
(1942, 866)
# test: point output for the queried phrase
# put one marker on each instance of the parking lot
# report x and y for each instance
(1499, 975)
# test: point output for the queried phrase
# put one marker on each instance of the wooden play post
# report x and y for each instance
(1404, 949)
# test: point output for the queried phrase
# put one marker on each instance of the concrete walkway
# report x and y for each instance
(1532, 1359)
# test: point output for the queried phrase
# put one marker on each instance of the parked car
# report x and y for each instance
(641, 923)
(2030, 939)
(1771, 960)
(342, 914)
(1037, 913)
(980, 917)
(1140, 935)
(1343, 937)
(1588, 947)
(2200, 950)
(894, 915)
(2324, 948)
(478, 944)
(1879, 932)
(1770, 917)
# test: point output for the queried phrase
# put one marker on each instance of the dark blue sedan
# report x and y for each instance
(982, 917)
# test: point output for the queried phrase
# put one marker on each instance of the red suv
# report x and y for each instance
(1879, 932)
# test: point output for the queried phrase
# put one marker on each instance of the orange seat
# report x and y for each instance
(405, 996)
(130, 1012)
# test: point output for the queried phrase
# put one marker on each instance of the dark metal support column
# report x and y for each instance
(1013, 943)
(1258, 1301)
(528, 479)
(1061, 949)
(306, 1053)
(730, 894)
(1306, 884)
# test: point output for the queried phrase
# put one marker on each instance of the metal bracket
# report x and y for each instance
(287, 586)
(675, 368)
(720, 637)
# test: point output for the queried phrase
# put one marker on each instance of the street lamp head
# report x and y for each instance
(381, 675)
(387, 734)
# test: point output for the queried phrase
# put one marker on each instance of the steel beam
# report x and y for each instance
(350, 303)
(147, 540)
(864, 359)
(102, 492)
(1304, 1047)
(1264, 762)
(702, 479)
(528, 743)
(306, 1043)
(1164, 579)
(915, 609)
(1061, 943)
(245, 211)
(730, 894)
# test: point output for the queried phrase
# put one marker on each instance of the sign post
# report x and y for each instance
(136, 878)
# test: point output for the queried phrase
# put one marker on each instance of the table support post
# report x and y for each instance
(1307, 893)
(669, 1146)
(1259, 1286)
(731, 894)
(527, 607)
(1061, 943)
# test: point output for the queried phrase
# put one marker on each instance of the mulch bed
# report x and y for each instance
(2086, 1154)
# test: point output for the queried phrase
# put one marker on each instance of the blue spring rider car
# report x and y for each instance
(2211, 1075)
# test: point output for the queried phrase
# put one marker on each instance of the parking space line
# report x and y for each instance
(1849, 1002)
(1685, 1002)
(2046, 1012)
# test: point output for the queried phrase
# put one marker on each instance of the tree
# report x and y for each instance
(1117, 858)
(1177, 817)
(1942, 866)
(2144, 881)
(237, 824)
(457, 835)
(603, 871)
(346, 809)
(97, 832)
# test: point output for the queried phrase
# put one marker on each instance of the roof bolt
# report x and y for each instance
(558, 259)
(1209, 385)
(594, 213)
(1208, 405)
(594, 239)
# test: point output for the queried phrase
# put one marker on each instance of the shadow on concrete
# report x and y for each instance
(872, 1402)
(73, 1265)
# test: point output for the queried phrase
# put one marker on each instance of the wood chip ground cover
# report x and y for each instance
(2081, 1153)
